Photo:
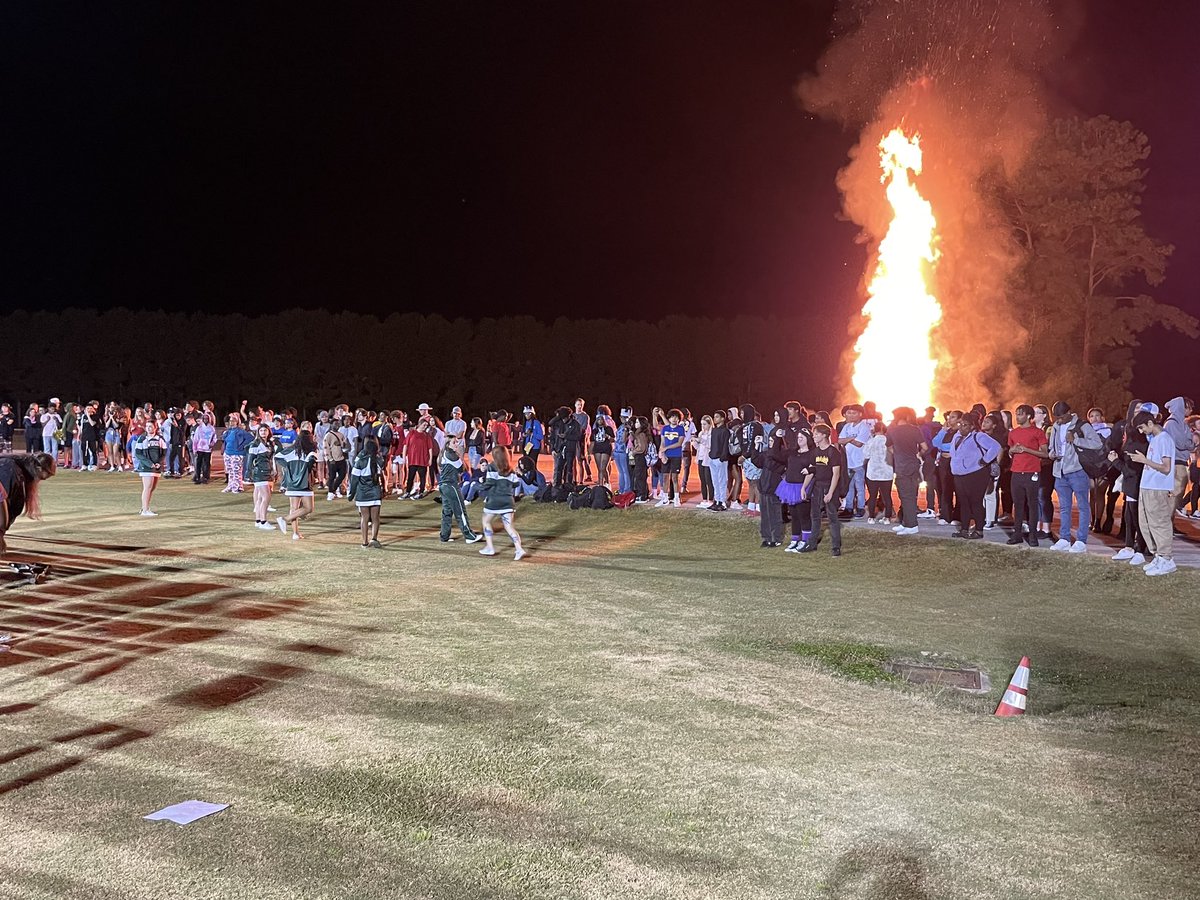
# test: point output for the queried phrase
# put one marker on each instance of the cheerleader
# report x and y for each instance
(366, 491)
(149, 451)
(296, 462)
(498, 502)
(21, 476)
(453, 510)
(260, 469)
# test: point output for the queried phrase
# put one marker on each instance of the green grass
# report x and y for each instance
(649, 706)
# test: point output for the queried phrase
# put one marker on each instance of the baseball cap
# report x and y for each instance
(1149, 407)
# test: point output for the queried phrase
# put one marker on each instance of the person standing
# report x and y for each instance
(718, 461)
(880, 475)
(852, 438)
(366, 491)
(335, 447)
(149, 454)
(620, 456)
(971, 461)
(1130, 440)
(701, 442)
(203, 439)
(419, 454)
(52, 423)
(1156, 493)
(827, 463)
(31, 427)
(454, 511)
(1068, 436)
(583, 461)
(235, 442)
(909, 449)
(8, 427)
(89, 436)
(1178, 410)
(533, 434)
(498, 503)
(769, 455)
(297, 462)
(1027, 447)
(673, 435)
(260, 469)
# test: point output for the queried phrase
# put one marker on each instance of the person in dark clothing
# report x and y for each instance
(794, 491)
(909, 453)
(823, 489)
(718, 461)
(769, 454)
(21, 476)
(564, 442)
(1131, 441)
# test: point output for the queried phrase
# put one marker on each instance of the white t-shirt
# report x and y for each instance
(859, 431)
(456, 427)
(1161, 444)
(51, 422)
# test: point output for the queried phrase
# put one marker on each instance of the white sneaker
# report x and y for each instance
(1078, 547)
(988, 526)
(677, 503)
(282, 524)
(296, 537)
(1061, 545)
(913, 530)
(943, 522)
(735, 505)
(897, 528)
(704, 504)
(146, 512)
(329, 496)
(793, 547)
(264, 526)
(870, 520)
(927, 514)
(1196, 514)
(487, 552)
(956, 522)
(1137, 560)
(1162, 567)
(271, 509)
(519, 555)
(663, 502)
(1123, 554)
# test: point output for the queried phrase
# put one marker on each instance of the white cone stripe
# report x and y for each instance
(1012, 698)
(1021, 678)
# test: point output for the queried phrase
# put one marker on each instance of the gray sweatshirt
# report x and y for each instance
(1066, 460)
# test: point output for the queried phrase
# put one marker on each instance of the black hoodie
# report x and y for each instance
(771, 455)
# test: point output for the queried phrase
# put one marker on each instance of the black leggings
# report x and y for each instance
(879, 493)
(706, 485)
(970, 489)
(640, 488)
(413, 472)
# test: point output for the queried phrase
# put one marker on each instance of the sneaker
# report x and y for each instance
(927, 514)
(793, 547)
(282, 524)
(1137, 560)
(897, 528)
(974, 535)
(765, 544)
(663, 502)
(271, 509)
(956, 522)
(375, 545)
(487, 551)
(734, 505)
(519, 555)
(943, 522)
(445, 540)
(329, 496)
(1061, 546)
(1123, 554)
(837, 551)
(297, 537)
(677, 503)
(366, 546)
(988, 526)
(807, 548)
(146, 512)
(858, 514)
(903, 530)
(1196, 514)
(704, 504)
(1078, 547)
(264, 526)
(641, 501)
(1015, 539)
(475, 540)
(870, 520)
(1163, 567)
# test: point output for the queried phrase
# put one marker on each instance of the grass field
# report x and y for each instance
(649, 706)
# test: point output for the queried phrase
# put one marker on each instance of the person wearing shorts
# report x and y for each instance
(673, 435)
(260, 470)
(149, 451)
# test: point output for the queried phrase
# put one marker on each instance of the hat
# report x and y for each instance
(528, 411)
(424, 406)
(54, 401)
(1149, 407)
(456, 409)
(626, 412)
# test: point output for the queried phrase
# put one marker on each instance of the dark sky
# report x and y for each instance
(616, 159)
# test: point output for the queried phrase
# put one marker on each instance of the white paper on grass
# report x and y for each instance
(187, 812)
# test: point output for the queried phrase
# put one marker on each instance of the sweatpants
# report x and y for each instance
(415, 472)
(718, 470)
(818, 504)
(770, 517)
(906, 487)
(1155, 509)
(454, 512)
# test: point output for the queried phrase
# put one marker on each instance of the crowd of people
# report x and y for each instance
(795, 469)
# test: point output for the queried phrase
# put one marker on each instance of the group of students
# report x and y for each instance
(979, 469)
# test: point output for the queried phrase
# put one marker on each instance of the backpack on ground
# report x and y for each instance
(624, 500)
(602, 497)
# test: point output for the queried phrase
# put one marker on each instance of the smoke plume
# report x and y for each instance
(964, 74)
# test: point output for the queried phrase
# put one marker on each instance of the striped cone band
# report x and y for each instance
(1014, 699)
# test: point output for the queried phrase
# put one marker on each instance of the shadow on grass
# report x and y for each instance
(100, 615)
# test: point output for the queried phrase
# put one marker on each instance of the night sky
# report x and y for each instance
(625, 160)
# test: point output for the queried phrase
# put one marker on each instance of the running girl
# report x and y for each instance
(149, 451)
(498, 502)
(296, 463)
(366, 492)
(260, 469)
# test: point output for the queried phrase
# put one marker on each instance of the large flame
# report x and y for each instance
(895, 366)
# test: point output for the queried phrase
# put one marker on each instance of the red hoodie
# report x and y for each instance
(419, 448)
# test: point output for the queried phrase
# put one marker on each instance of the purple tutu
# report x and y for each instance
(790, 492)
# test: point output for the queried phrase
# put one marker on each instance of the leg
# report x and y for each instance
(376, 515)
(364, 524)
(506, 520)
(488, 533)
(907, 485)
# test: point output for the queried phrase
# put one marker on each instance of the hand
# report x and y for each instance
(829, 496)
(1138, 457)
(1112, 456)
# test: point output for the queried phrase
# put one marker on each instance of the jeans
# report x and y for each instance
(76, 453)
(474, 456)
(948, 511)
(818, 504)
(906, 487)
(50, 445)
(337, 474)
(1074, 486)
(856, 494)
(719, 470)
(621, 461)
(203, 466)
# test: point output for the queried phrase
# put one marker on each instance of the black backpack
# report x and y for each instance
(1095, 462)
(735, 448)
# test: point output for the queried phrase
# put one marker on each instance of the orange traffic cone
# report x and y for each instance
(1013, 701)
